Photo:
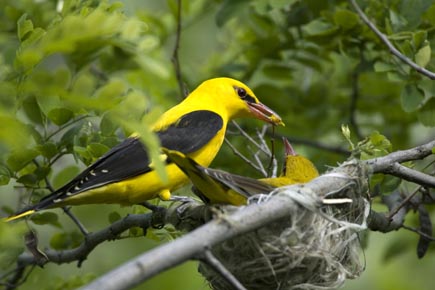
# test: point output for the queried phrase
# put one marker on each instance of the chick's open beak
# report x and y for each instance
(288, 148)
(264, 113)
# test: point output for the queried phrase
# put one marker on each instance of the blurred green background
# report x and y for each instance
(313, 62)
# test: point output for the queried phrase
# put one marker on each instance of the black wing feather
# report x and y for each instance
(130, 158)
(244, 185)
(191, 132)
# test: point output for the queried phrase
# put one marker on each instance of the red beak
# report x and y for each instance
(264, 113)
(288, 147)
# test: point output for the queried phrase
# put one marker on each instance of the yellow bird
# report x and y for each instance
(195, 127)
(219, 187)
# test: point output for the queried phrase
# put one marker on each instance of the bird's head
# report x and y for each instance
(236, 99)
(297, 167)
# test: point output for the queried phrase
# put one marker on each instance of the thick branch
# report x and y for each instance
(390, 46)
(412, 175)
(218, 230)
(381, 164)
(92, 240)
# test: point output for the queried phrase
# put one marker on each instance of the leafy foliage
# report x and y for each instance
(76, 76)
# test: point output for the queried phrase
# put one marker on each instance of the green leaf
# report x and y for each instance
(419, 38)
(228, 9)
(35, 134)
(33, 37)
(60, 116)
(24, 27)
(136, 232)
(411, 98)
(381, 66)
(412, 11)
(19, 159)
(45, 218)
(68, 137)
(41, 172)
(426, 114)
(346, 19)
(114, 216)
(97, 149)
(395, 248)
(5, 175)
(11, 243)
(65, 175)
(111, 91)
(320, 28)
(107, 126)
(48, 150)
(429, 15)
(63, 241)
(33, 110)
(423, 55)
(28, 179)
(277, 71)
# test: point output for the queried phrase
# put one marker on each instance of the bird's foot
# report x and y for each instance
(158, 214)
(182, 199)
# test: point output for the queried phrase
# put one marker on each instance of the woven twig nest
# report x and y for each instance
(316, 247)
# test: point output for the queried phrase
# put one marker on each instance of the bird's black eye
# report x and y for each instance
(241, 92)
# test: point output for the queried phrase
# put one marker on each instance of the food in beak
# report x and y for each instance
(264, 113)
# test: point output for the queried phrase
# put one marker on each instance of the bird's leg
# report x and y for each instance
(182, 199)
(165, 195)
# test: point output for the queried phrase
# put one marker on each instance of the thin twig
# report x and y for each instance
(261, 135)
(175, 57)
(66, 126)
(315, 144)
(249, 162)
(218, 267)
(432, 239)
(14, 281)
(272, 151)
(75, 220)
(354, 99)
(250, 139)
(403, 203)
(390, 46)
(65, 209)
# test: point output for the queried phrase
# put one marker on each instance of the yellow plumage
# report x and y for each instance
(220, 187)
(196, 127)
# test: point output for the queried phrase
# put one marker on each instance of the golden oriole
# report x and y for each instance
(195, 127)
(219, 187)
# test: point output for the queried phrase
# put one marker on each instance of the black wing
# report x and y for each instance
(191, 132)
(130, 158)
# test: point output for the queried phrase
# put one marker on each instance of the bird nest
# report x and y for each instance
(315, 247)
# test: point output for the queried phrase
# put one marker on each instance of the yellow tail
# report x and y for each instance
(14, 217)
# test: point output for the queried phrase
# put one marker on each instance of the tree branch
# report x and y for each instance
(390, 46)
(315, 144)
(241, 221)
(175, 58)
(382, 163)
(91, 241)
(412, 175)
(217, 266)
